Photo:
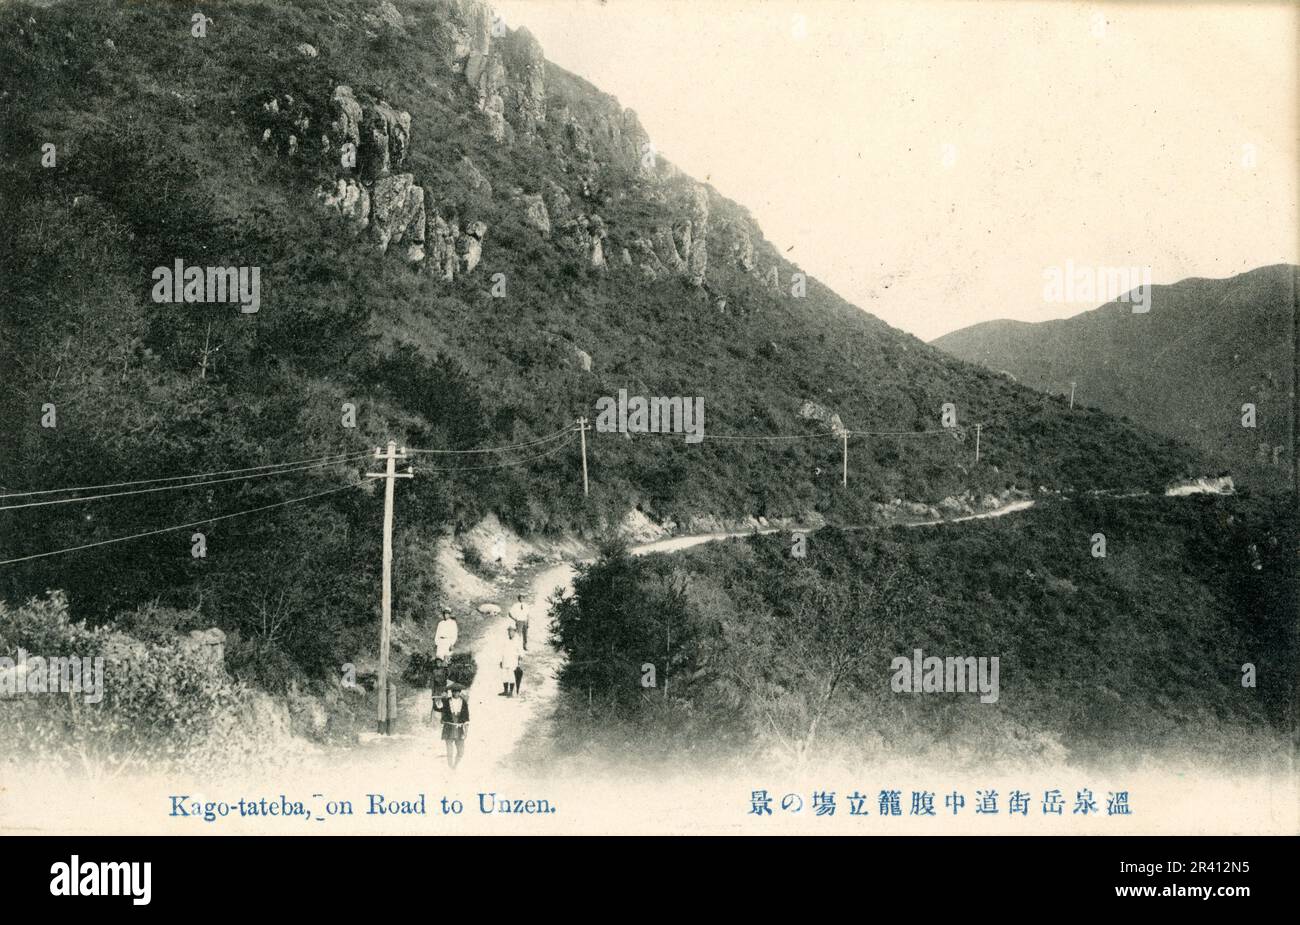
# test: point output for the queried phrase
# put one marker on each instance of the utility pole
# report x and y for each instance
(668, 650)
(582, 429)
(1072, 395)
(389, 474)
(977, 441)
(206, 352)
(844, 477)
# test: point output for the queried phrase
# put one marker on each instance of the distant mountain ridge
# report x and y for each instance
(1185, 368)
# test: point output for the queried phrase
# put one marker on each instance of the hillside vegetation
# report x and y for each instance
(761, 655)
(480, 170)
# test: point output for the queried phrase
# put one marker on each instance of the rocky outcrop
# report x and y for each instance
(526, 91)
(397, 215)
(739, 244)
(441, 239)
(584, 236)
(581, 234)
(467, 32)
(466, 29)
(607, 132)
(679, 249)
(691, 234)
(389, 206)
(346, 115)
(652, 267)
(351, 201)
(811, 411)
(535, 212)
(665, 247)
(470, 246)
(485, 72)
(495, 112)
(380, 135)
(451, 249)
(385, 138)
(505, 69)
(577, 136)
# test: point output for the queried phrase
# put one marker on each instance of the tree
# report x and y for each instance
(815, 648)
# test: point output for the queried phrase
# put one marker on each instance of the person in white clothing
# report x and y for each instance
(445, 636)
(511, 673)
(519, 613)
(512, 638)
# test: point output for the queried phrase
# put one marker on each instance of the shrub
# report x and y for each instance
(162, 705)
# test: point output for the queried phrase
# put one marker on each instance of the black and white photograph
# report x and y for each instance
(649, 418)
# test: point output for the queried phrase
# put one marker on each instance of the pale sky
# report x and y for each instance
(931, 160)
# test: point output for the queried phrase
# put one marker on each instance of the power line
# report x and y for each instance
(196, 523)
(812, 436)
(179, 478)
(826, 433)
(897, 433)
(145, 491)
(520, 462)
(499, 449)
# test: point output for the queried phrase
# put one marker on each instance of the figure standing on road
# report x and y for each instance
(454, 708)
(512, 638)
(446, 634)
(511, 673)
(519, 613)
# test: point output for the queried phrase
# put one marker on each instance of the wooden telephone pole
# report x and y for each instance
(1072, 395)
(207, 352)
(582, 429)
(977, 442)
(389, 475)
(844, 476)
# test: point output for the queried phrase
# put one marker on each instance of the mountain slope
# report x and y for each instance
(1185, 368)
(467, 247)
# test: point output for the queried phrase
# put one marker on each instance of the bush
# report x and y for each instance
(161, 704)
(424, 670)
(462, 668)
